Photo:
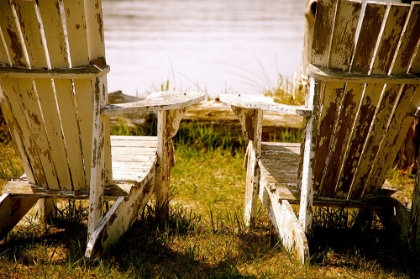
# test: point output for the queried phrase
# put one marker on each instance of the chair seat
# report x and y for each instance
(279, 166)
(133, 162)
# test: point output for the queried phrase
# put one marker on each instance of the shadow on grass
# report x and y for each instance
(175, 250)
(147, 250)
(355, 249)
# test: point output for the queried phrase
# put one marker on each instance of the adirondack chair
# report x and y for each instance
(363, 95)
(54, 98)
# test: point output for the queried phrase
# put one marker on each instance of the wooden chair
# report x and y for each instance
(363, 96)
(54, 98)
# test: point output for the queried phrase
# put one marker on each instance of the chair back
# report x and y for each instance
(365, 71)
(52, 69)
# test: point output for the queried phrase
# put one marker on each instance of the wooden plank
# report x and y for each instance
(76, 30)
(96, 162)
(95, 31)
(392, 143)
(248, 101)
(26, 14)
(96, 55)
(141, 165)
(14, 44)
(126, 139)
(392, 31)
(67, 121)
(120, 217)
(135, 142)
(23, 190)
(308, 159)
(12, 36)
(17, 137)
(286, 224)
(344, 34)
(155, 102)
(278, 172)
(404, 103)
(409, 41)
(4, 57)
(324, 20)
(54, 33)
(5, 107)
(358, 108)
(395, 20)
(51, 96)
(122, 155)
(340, 56)
(329, 75)
(84, 89)
(168, 124)
(253, 120)
(12, 210)
(82, 72)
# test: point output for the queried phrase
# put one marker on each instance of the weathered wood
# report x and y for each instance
(285, 223)
(154, 102)
(262, 103)
(308, 160)
(339, 55)
(251, 121)
(12, 210)
(82, 72)
(358, 107)
(362, 99)
(330, 75)
(168, 124)
(309, 12)
(52, 91)
(120, 217)
(212, 113)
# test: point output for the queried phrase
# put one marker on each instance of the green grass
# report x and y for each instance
(204, 237)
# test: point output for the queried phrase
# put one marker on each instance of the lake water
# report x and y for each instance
(211, 45)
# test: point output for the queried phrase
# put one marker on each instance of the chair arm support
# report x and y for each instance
(263, 103)
(156, 101)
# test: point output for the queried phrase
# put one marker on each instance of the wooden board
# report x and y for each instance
(130, 165)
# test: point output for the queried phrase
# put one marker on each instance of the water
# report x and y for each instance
(211, 45)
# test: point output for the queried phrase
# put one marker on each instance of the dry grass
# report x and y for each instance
(204, 237)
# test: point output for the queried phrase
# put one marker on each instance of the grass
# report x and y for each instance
(205, 236)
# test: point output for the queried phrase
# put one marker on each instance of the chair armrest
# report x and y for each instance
(264, 103)
(155, 102)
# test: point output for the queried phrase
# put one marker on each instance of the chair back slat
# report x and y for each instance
(405, 105)
(354, 107)
(51, 18)
(361, 126)
(388, 44)
(53, 118)
(27, 17)
(345, 22)
(12, 104)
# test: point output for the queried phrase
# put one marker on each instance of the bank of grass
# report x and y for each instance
(205, 236)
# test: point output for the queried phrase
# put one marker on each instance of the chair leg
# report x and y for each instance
(120, 217)
(285, 223)
(251, 190)
(396, 221)
(12, 210)
(46, 209)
